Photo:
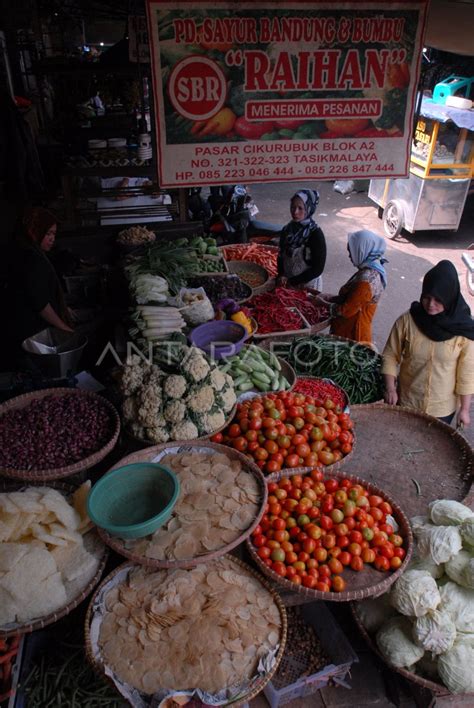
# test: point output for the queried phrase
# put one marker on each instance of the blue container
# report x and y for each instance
(219, 338)
(135, 500)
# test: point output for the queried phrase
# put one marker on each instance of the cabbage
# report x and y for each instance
(417, 522)
(415, 593)
(426, 564)
(435, 631)
(459, 602)
(455, 668)
(446, 512)
(373, 612)
(440, 543)
(396, 644)
(467, 532)
(461, 569)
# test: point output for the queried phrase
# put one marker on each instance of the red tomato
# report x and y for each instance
(234, 430)
(280, 568)
(344, 557)
(292, 461)
(338, 583)
(368, 555)
(309, 581)
(264, 552)
(357, 563)
(381, 563)
(217, 438)
(395, 563)
(240, 444)
(335, 566)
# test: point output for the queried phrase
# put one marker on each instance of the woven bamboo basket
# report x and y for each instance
(94, 541)
(437, 688)
(369, 582)
(149, 443)
(226, 252)
(42, 475)
(154, 454)
(245, 289)
(256, 685)
(416, 458)
(250, 272)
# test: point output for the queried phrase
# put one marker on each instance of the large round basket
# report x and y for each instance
(254, 275)
(43, 475)
(202, 281)
(155, 454)
(369, 582)
(437, 688)
(413, 456)
(121, 573)
(149, 443)
(93, 544)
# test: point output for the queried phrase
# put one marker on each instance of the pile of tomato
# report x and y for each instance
(287, 429)
(313, 528)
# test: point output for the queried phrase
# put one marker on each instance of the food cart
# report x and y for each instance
(441, 167)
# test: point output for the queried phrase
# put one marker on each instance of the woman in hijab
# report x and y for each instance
(354, 308)
(302, 254)
(431, 350)
(35, 298)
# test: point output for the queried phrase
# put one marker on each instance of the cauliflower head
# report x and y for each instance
(227, 399)
(195, 365)
(210, 422)
(149, 404)
(132, 375)
(175, 386)
(158, 434)
(129, 408)
(201, 400)
(175, 412)
(186, 430)
(217, 379)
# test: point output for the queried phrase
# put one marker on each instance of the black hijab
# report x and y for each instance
(442, 282)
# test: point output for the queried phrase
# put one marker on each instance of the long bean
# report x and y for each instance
(354, 367)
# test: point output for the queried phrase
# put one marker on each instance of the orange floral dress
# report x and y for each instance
(358, 302)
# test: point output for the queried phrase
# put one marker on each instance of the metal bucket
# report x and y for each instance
(54, 353)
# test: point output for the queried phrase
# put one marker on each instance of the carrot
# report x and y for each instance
(255, 253)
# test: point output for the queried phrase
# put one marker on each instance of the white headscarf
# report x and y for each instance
(367, 249)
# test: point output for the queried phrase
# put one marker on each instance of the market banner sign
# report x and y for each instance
(284, 91)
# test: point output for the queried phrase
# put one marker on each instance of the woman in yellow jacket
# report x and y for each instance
(431, 351)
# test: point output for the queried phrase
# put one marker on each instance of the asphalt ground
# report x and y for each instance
(409, 256)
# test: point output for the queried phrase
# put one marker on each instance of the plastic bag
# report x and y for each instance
(344, 186)
(196, 308)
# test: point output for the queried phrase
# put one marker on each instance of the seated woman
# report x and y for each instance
(430, 350)
(354, 308)
(302, 254)
(34, 297)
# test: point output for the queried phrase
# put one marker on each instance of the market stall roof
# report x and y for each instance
(436, 111)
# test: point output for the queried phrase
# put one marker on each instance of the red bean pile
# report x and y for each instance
(54, 431)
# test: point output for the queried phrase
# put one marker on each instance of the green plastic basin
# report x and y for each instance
(134, 500)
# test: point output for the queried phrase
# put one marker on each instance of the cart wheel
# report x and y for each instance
(380, 212)
(393, 219)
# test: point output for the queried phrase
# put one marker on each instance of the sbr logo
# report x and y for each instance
(197, 88)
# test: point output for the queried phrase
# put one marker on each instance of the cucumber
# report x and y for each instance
(243, 366)
(261, 386)
(263, 378)
(276, 384)
(241, 380)
(245, 387)
(284, 383)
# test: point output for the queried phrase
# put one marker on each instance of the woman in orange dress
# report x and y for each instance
(354, 308)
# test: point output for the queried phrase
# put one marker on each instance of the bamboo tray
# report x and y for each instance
(93, 622)
(92, 543)
(42, 475)
(367, 583)
(413, 456)
(438, 689)
(154, 454)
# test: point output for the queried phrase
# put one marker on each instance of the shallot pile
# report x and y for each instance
(54, 431)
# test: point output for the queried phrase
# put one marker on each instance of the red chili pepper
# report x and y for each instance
(273, 314)
(321, 391)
